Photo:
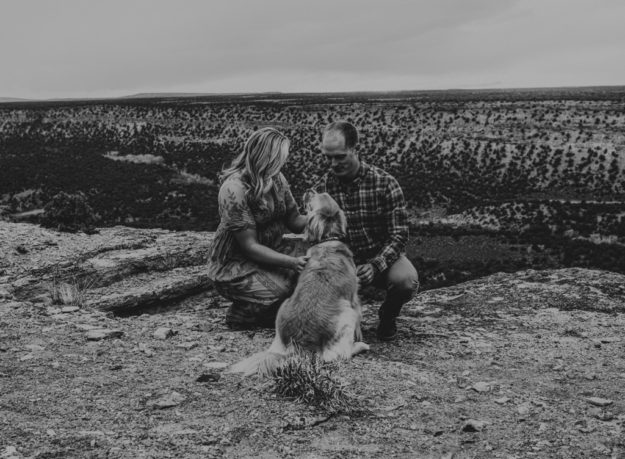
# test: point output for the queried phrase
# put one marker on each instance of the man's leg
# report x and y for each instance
(402, 282)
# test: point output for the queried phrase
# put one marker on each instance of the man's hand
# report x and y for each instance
(365, 273)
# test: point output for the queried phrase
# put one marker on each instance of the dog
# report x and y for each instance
(323, 314)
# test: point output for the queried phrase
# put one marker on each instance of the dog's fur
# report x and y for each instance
(323, 314)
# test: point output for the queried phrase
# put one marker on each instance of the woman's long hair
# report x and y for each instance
(260, 161)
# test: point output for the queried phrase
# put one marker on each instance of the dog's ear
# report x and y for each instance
(327, 206)
(307, 199)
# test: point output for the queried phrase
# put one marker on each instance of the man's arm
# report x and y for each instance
(396, 217)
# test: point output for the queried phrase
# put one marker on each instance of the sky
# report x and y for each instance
(112, 48)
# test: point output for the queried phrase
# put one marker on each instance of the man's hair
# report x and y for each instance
(349, 131)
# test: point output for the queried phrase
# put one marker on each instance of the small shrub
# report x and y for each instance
(306, 378)
(69, 212)
(71, 293)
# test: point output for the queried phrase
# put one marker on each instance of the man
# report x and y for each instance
(377, 222)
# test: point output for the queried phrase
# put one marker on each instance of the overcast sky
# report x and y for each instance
(106, 48)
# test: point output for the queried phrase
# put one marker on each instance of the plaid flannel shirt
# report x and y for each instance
(377, 221)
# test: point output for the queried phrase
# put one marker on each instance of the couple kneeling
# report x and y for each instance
(252, 265)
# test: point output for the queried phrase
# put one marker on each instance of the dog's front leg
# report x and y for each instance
(357, 333)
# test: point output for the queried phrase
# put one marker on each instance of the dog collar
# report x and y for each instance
(328, 239)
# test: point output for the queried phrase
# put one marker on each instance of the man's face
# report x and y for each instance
(343, 162)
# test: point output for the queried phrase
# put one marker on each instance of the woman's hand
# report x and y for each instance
(299, 263)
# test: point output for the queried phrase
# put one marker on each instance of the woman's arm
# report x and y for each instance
(260, 253)
(294, 221)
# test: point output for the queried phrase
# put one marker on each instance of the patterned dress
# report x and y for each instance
(256, 290)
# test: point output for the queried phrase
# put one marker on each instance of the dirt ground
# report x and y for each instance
(530, 364)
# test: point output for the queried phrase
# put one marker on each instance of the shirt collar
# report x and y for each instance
(362, 172)
(364, 169)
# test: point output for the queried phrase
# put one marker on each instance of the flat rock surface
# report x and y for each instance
(527, 364)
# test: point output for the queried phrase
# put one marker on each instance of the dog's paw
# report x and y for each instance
(359, 347)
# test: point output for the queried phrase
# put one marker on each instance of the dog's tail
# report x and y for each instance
(262, 363)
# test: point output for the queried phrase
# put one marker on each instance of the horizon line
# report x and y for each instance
(183, 94)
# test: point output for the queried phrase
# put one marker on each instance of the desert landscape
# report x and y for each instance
(112, 341)
(518, 178)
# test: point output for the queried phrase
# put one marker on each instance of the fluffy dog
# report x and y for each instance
(323, 314)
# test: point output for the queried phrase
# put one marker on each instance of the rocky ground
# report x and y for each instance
(529, 364)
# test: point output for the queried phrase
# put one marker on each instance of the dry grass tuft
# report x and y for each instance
(306, 378)
(72, 293)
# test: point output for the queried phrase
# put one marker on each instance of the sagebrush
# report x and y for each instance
(305, 377)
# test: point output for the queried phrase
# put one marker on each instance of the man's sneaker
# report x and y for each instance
(387, 329)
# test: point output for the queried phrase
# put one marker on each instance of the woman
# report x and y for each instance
(249, 262)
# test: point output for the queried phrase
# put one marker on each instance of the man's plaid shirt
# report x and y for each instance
(377, 221)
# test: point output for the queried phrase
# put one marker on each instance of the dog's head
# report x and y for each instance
(325, 219)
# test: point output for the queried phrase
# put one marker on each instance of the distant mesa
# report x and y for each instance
(158, 95)
(12, 99)
(146, 95)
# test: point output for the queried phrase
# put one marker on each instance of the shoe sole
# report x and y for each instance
(387, 337)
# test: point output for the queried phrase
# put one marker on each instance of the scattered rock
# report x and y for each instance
(197, 358)
(597, 401)
(473, 425)
(584, 427)
(163, 333)
(87, 327)
(34, 347)
(103, 333)
(610, 339)
(524, 408)
(13, 305)
(168, 401)
(540, 403)
(496, 299)
(145, 349)
(208, 377)
(543, 443)
(5, 294)
(10, 452)
(302, 422)
(44, 299)
(481, 386)
(601, 414)
(188, 345)
(215, 365)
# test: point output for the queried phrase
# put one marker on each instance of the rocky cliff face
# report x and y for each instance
(120, 268)
(115, 269)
